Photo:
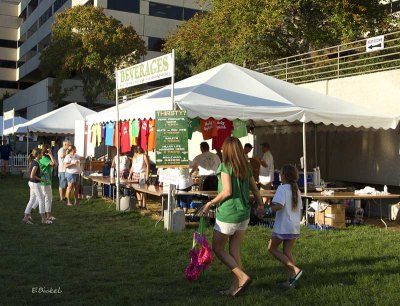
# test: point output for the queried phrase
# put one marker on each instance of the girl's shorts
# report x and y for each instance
(230, 228)
(285, 236)
(72, 177)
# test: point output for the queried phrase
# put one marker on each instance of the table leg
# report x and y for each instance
(380, 209)
(307, 206)
(162, 211)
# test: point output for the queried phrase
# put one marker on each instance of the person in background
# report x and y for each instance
(288, 205)
(140, 167)
(266, 176)
(36, 194)
(47, 163)
(72, 171)
(62, 180)
(233, 211)
(247, 149)
(207, 164)
(185, 183)
(5, 151)
(124, 164)
(54, 151)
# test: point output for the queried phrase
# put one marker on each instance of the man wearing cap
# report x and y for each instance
(266, 168)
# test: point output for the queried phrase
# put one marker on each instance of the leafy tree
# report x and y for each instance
(89, 45)
(241, 31)
(5, 95)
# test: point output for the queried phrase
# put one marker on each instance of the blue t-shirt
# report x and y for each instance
(110, 134)
(5, 151)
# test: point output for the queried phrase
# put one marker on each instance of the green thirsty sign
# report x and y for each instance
(172, 139)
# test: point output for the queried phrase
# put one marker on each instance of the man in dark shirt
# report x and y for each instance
(5, 151)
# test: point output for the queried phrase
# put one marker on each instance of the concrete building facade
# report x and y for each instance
(152, 20)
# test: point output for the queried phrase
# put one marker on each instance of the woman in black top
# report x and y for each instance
(36, 194)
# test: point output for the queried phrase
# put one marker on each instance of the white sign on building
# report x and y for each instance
(375, 43)
(155, 69)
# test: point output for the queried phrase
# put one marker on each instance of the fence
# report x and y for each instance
(18, 161)
(340, 61)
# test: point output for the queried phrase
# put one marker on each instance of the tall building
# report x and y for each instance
(28, 32)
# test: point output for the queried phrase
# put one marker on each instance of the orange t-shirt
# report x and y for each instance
(151, 145)
(208, 128)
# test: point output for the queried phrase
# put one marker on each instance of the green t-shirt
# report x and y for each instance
(239, 128)
(192, 124)
(236, 208)
(45, 170)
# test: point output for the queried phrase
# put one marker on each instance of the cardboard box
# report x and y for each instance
(333, 215)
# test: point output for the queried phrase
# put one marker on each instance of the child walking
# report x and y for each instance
(288, 205)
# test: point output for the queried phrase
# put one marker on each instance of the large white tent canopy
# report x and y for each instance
(233, 92)
(59, 121)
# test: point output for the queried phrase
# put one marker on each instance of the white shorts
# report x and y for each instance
(230, 228)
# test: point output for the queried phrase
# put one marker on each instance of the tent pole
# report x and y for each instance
(305, 167)
(117, 127)
(315, 146)
(27, 151)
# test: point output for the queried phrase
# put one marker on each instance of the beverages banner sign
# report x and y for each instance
(152, 70)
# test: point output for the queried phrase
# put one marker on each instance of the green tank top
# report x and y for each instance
(236, 208)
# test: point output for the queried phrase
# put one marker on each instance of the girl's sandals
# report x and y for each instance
(51, 218)
(46, 222)
(27, 221)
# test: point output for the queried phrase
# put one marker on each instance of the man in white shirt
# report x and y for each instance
(207, 164)
(266, 168)
(62, 180)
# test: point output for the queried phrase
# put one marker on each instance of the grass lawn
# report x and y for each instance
(97, 256)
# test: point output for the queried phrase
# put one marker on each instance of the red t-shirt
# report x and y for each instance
(208, 128)
(224, 130)
(125, 137)
(143, 134)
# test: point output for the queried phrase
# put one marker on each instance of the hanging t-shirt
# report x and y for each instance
(152, 135)
(134, 130)
(117, 134)
(192, 124)
(93, 135)
(143, 134)
(103, 131)
(98, 134)
(110, 134)
(208, 128)
(239, 128)
(125, 137)
(224, 129)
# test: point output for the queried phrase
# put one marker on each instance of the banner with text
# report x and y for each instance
(152, 70)
(172, 139)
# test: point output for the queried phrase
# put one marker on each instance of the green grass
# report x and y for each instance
(100, 257)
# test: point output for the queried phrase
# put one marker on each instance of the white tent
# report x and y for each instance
(59, 121)
(230, 91)
(8, 124)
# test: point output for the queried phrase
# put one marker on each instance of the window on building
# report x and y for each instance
(5, 43)
(33, 4)
(132, 6)
(58, 4)
(165, 11)
(155, 44)
(8, 64)
(21, 112)
(46, 15)
(23, 15)
(395, 6)
(8, 84)
(31, 53)
(31, 30)
(189, 13)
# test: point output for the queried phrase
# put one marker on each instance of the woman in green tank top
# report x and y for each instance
(233, 211)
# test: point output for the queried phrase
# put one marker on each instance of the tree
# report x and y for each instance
(5, 95)
(241, 31)
(87, 44)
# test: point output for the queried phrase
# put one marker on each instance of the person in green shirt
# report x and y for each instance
(233, 211)
(47, 163)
